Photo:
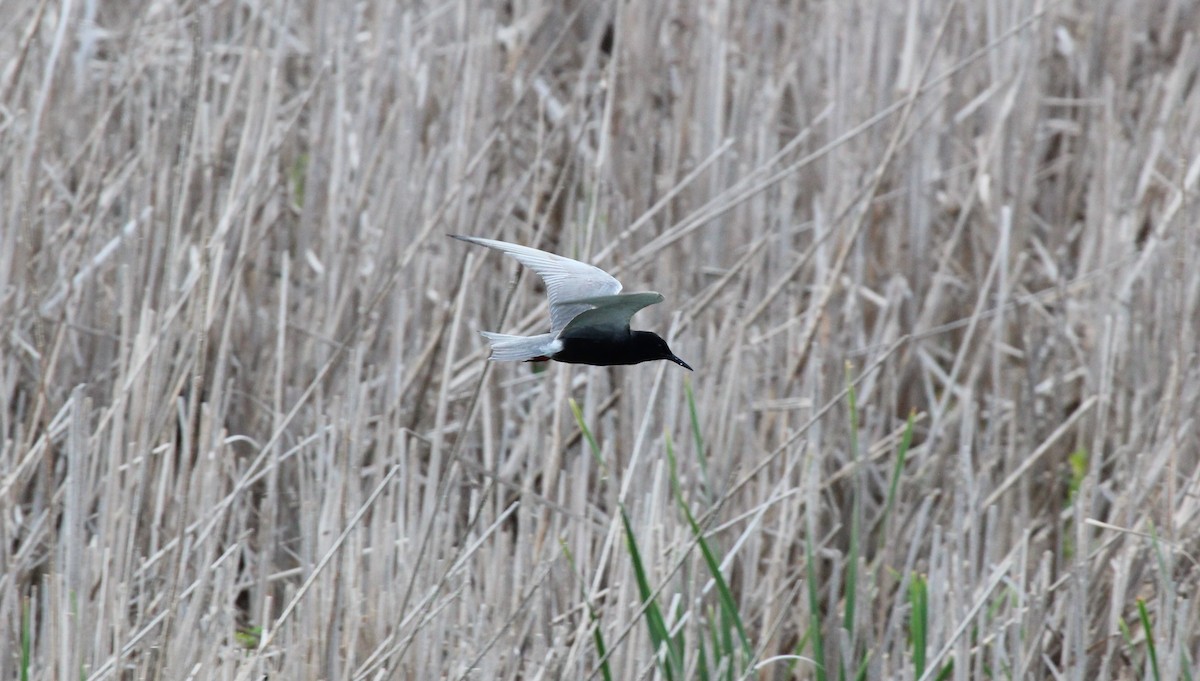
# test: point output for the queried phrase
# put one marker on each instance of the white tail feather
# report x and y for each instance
(507, 348)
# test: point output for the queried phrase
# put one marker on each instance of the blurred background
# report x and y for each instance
(937, 266)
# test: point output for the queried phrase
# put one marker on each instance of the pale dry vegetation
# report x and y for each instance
(247, 429)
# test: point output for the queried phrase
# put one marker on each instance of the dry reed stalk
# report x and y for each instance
(246, 428)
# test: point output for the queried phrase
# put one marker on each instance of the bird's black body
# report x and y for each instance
(610, 349)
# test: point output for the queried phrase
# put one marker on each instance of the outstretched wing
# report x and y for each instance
(568, 282)
(610, 313)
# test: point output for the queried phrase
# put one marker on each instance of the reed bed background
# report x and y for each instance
(937, 265)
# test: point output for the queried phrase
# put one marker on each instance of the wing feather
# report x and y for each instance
(610, 313)
(568, 282)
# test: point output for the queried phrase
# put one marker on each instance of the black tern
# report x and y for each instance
(589, 316)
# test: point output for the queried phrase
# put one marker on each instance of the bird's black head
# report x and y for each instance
(650, 346)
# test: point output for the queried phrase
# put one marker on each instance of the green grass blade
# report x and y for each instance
(729, 606)
(587, 433)
(1148, 630)
(714, 632)
(1078, 462)
(814, 607)
(697, 436)
(26, 641)
(898, 469)
(702, 672)
(851, 587)
(798, 651)
(918, 623)
(669, 658)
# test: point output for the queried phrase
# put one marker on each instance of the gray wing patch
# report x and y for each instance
(611, 312)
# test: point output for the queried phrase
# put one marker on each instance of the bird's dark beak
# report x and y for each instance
(680, 362)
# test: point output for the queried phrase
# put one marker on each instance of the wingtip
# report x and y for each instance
(477, 240)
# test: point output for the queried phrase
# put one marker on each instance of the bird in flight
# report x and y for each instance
(589, 316)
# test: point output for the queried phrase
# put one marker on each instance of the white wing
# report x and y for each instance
(568, 281)
(611, 313)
